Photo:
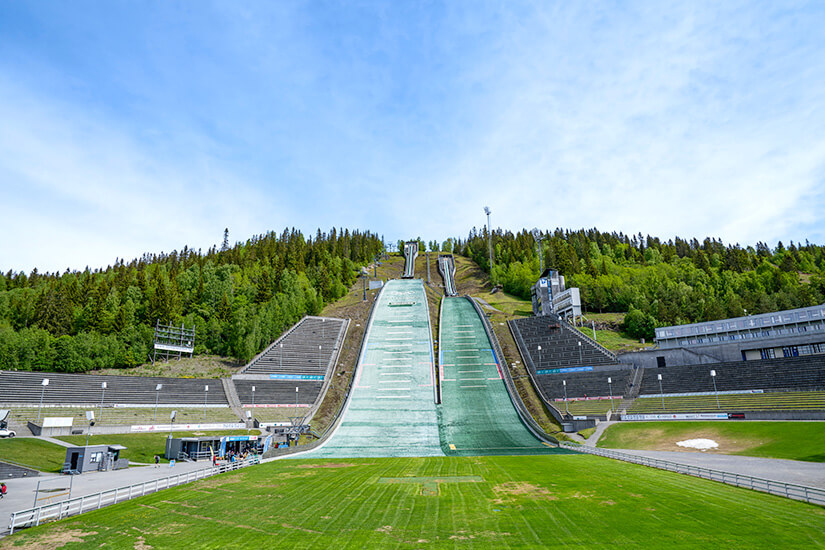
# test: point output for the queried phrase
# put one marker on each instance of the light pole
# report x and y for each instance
(281, 356)
(489, 237)
(661, 391)
(157, 396)
(103, 387)
(205, 395)
(610, 384)
(537, 237)
(713, 377)
(566, 408)
(248, 421)
(90, 418)
(537, 368)
(580, 351)
(322, 328)
(253, 397)
(44, 383)
(296, 405)
(319, 357)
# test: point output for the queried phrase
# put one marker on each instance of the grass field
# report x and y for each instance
(140, 447)
(571, 501)
(36, 453)
(791, 440)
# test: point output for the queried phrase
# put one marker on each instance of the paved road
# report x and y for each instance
(811, 474)
(21, 491)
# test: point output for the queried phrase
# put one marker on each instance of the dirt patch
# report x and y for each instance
(656, 439)
(55, 538)
(385, 529)
(512, 489)
(140, 544)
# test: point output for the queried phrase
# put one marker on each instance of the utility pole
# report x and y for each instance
(428, 266)
(537, 237)
(489, 237)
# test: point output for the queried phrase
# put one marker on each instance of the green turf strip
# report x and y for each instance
(35, 453)
(790, 440)
(557, 501)
(476, 416)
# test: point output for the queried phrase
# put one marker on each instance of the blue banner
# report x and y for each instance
(561, 371)
(296, 377)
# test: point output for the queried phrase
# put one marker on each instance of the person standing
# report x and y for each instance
(3, 490)
(157, 461)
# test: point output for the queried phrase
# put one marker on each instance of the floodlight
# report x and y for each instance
(45, 382)
(173, 415)
(159, 387)
(249, 415)
(90, 416)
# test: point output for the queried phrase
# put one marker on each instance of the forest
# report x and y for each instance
(657, 283)
(239, 299)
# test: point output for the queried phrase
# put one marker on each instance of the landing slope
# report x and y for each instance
(476, 416)
(391, 411)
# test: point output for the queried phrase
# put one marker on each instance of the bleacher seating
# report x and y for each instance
(299, 354)
(583, 384)
(18, 387)
(792, 373)
(559, 344)
(278, 391)
(770, 401)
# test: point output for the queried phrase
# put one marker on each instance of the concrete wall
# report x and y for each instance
(673, 357)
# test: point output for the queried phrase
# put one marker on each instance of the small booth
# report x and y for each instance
(199, 448)
(94, 458)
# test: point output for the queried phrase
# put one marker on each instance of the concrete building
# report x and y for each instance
(550, 296)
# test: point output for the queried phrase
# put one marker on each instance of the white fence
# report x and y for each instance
(813, 495)
(79, 505)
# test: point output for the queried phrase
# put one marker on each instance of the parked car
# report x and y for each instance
(7, 433)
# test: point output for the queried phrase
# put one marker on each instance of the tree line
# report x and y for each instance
(239, 299)
(658, 283)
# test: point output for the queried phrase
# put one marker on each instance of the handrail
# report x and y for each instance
(812, 495)
(35, 516)
(525, 416)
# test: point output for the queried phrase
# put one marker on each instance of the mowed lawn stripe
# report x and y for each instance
(523, 501)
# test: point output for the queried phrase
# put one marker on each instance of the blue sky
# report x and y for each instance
(132, 127)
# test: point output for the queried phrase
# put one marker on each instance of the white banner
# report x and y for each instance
(677, 416)
(58, 422)
(187, 427)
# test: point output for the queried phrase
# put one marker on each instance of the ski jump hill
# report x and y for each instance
(394, 410)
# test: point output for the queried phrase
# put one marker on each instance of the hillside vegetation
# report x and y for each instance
(238, 299)
(657, 283)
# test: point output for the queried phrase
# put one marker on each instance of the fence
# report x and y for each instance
(78, 505)
(812, 495)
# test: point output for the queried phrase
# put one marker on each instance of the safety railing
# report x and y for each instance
(78, 505)
(812, 495)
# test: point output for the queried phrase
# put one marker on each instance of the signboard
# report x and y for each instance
(58, 422)
(562, 371)
(170, 427)
(296, 377)
(677, 416)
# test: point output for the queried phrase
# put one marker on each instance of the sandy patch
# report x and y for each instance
(385, 529)
(140, 544)
(56, 538)
(512, 489)
(702, 444)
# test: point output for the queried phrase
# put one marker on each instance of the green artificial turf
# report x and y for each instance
(141, 447)
(36, 453)
(791, 440)
(561, 501)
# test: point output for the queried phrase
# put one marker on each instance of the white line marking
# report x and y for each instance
(473, 386)
(471, 379)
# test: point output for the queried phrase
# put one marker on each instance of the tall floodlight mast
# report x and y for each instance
(489, 237)
(537, 237)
